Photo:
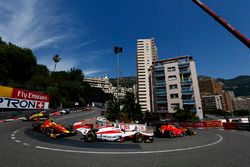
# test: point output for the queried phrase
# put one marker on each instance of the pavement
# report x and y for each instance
(22, 147)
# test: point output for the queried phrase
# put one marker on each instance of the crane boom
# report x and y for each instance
(223, 22)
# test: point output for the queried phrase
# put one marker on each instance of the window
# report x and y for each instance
(170, 69)
(173, 86)
(172, 78)
(174, 96)
(175, 106)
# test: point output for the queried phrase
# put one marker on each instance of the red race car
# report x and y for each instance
(172, 131)
(52, 129)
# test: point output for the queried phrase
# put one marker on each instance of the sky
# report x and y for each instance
(84, 32)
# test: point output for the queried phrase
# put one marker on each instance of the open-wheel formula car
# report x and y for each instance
(115, 132)
(37, 116)
(172, 131)
(53, 129)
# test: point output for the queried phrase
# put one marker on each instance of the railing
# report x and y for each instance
(187, 91)
(162, 102)
(186, 81)
(183, 64)
(188, 101)
(185, 72)
(160, 75)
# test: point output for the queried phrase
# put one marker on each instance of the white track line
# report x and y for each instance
(135, 152)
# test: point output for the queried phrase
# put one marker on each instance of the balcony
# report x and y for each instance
(187, 91)
(161, 101)
(186, 82)
(185, 71)
(160, 75)
(183, 64)
(188, 101)
(193, 111)
(161, 93)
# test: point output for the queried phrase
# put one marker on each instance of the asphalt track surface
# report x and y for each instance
(22, 147)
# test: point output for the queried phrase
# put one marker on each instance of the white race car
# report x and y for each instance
(114, 132)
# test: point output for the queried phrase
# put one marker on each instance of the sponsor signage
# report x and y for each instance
(22, 99)
(137, 127)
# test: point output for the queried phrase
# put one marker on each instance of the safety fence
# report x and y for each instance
(236, 126)
(203, 124)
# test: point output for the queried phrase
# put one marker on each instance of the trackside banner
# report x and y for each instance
(22, 99)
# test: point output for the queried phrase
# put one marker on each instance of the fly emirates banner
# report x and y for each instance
(22, 99)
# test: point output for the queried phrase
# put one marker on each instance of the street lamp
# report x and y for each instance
(118, 50)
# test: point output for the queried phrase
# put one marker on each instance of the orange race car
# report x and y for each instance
(53, 129)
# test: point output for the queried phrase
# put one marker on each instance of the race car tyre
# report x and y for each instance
(190, 132)
(35, 126)
(170, 134)
(49, 132)
(138, 138)
(148, 140)
(90, 136)
(122, 139)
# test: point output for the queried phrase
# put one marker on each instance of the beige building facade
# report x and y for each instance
(174, 85)
(146, 54)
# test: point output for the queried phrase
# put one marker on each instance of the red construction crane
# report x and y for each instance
(223, 22)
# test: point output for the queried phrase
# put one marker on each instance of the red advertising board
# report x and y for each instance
(29, 95)
(22, 99)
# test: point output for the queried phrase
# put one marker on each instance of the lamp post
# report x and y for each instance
(118, 50)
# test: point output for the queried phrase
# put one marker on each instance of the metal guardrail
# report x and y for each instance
(236, 126)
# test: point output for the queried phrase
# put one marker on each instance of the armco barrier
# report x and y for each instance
(203, 124)
(229, 126)
(236, 126)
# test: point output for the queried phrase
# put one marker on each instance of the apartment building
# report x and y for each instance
(102, 83)
(228, 97)
(241, 103)
(209, 86)
(174, 85)
(146, 54)
(212, 102)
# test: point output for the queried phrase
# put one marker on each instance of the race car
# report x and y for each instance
(53, 129)
(60, 112)
(37, 116)
(114, 132)
(172, 131)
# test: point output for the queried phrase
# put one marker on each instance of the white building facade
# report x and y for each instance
(102, 83)
(146, 54)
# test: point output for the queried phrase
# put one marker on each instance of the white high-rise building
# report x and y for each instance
(146, 54)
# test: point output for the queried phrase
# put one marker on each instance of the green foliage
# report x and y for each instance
(131, 111)
(241, 113)
(183, 116)
(17, 64)
(127, 82)
(113, 110)
(217, 112)
(18, 68)
(225, 113)
(239, 85)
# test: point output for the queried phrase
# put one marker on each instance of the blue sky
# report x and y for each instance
(84, 32)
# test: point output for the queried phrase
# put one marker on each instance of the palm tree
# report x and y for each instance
(56, 59)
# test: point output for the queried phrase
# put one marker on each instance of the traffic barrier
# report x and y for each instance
(203, 124)
(236, 126)
(229, 126)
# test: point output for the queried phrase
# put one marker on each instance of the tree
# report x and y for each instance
(183, 116)
(56, 58)
(17, 64)
(131, 108)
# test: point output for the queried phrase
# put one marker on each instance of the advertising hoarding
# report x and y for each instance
(22, 99)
